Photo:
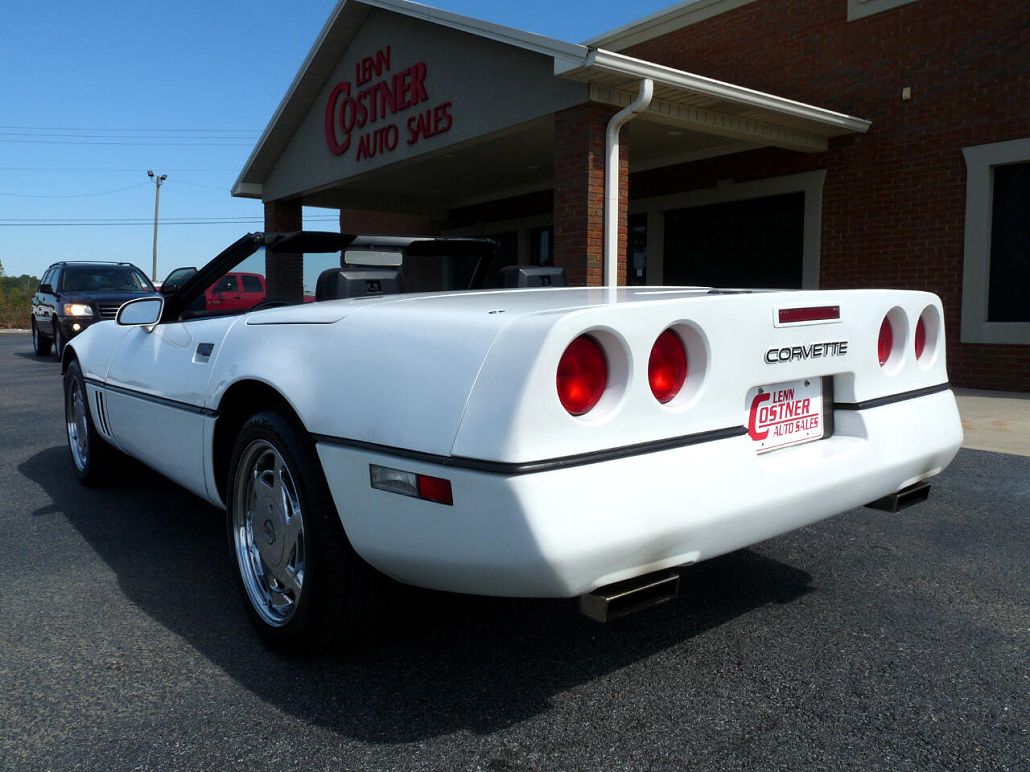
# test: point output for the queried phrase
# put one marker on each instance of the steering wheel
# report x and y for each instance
(261, 306)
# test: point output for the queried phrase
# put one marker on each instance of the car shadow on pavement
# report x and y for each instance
(32, 356)
(451, 663)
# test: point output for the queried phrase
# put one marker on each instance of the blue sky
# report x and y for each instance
(94, 94)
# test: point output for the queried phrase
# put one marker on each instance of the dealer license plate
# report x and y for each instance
(787, 413)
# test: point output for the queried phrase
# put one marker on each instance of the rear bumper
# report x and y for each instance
(565, 532)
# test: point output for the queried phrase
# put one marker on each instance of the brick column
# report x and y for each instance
(579, 194)
(284, 272)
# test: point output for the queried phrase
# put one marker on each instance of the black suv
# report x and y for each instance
(72, 296)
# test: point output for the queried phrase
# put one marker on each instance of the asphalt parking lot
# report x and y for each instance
(867, 641)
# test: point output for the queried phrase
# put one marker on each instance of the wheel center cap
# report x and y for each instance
(268, 534)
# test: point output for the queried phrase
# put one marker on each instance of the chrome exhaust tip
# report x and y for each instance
(621, 598)
(906, 497)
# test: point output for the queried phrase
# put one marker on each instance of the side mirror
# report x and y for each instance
(46, 288)
(141, 312)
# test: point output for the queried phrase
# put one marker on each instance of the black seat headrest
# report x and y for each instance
(531, 276)
(351, 282)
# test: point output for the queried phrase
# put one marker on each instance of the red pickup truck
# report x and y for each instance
(236, 292)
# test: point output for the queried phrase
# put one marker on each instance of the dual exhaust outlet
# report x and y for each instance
(622, 598)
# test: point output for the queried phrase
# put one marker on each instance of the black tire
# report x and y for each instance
(340, 597)
(92, 457)
(58, 341)
(41, 344)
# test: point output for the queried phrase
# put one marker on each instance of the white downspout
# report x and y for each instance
(611, 179)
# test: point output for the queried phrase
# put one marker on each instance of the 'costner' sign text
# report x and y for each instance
(366, 108)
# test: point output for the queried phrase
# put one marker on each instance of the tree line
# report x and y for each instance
(16, 299)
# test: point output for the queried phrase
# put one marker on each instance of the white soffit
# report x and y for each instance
(712, 106)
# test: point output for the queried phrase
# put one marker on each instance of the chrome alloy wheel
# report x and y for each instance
(78, 425)
(268, 533)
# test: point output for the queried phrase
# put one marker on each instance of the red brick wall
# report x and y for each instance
(579, 159)
(283, 216)
(894, 200)
(284, 272)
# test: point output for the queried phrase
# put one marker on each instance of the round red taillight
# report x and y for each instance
(886, 341)
(667, 366)
(920, 338)
(582, 375)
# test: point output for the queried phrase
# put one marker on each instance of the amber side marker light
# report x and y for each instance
(418, 486)
(810, 314)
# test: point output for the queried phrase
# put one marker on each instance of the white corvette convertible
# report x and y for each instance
(518, 440)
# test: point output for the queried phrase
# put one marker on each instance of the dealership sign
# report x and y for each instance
(380, 108)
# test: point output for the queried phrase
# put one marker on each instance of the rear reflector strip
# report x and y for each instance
(810, 314)
(418, 486)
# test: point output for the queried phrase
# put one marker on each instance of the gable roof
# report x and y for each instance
(333, 41)
(682, 98)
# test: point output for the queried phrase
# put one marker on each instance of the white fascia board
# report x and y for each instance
(638, 68)
(248, 190)
(663, 22)
(530, 41)
(288, 97)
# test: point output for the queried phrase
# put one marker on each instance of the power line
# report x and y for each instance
(139, 130)
(121, 135)
(145, 143)
(72, 195)
(148, 222)
(224, 189)
(129, 220)
(104, 169)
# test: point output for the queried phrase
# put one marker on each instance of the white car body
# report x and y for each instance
(461, 386)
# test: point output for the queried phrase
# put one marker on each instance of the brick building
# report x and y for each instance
(788, 143)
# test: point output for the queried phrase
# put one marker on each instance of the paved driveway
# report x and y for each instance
(867, 641)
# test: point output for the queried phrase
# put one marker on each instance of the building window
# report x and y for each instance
(859, 9)
(799, 195)
(507, 247)
(636, 250)
(541, 246)
(996, 274)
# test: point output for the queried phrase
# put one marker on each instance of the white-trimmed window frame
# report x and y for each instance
(727, 191)
(981, 160)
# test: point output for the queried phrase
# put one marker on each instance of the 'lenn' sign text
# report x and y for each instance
(364, 110)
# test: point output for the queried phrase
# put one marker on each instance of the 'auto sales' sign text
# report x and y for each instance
(365, 112)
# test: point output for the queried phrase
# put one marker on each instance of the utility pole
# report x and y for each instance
(157, 202)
